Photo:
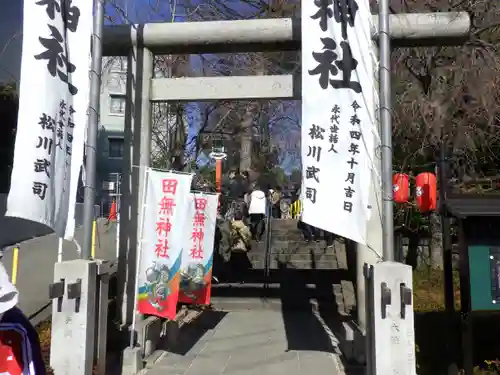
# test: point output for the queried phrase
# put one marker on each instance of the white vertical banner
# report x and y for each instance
(197, 256)
(161, 245)
(338, 115)
(53, 103)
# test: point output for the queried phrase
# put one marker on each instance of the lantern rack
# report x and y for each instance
(478, 219)
(478, 223)
(469, 205)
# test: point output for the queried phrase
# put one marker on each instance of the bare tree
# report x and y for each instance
(441, 93)
(254, 118)
(448, 95)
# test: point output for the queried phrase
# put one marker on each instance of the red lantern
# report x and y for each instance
(401, 187)
(426, 191)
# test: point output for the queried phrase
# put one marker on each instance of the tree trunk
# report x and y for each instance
(246, 150)
(436, 245)
(412, 253)
(247, 138)
(180, 130)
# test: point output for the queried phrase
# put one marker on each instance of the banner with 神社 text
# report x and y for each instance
(197, 256)
(161, 244)
(53, 104)
(339, 127)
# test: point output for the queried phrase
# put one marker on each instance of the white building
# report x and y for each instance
(111, 129)
(112, 124)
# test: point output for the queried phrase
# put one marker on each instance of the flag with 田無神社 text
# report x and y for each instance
(161, 243)
(198, 252)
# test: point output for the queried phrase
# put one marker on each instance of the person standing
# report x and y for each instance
(240, 246)
(240, 235)
(303, 227)
(329, 239)
(309, 232)
(295, 207)
(237, 187)
(275, 198)
(257, 208)
(238, 184)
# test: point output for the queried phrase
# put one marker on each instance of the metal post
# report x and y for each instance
(143, 112)
(137, 158)
(91, 146)
(449, 294)
(386, 128)
(371, 253)
(118, 208)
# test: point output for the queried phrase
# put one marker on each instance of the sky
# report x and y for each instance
(10, 40)
(125, 11)
(11, 18)
(130, 10)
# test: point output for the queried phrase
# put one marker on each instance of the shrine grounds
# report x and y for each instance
(430, 323)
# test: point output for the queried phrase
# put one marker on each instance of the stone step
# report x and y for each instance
(299, 255)
(338, 296)
(294, 264)
(283, 257)
(314, 248)
(283, 224)
(305, 247)
(274, 289)
(287, 236)
(291, 235)
(287, 277)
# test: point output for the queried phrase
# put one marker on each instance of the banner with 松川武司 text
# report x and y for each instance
(161, 245)
(197, 256)
(339, 127)
(53, 104)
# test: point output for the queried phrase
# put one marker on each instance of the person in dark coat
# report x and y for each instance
(238, 185)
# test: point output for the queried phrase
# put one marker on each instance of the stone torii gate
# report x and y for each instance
(141, 42)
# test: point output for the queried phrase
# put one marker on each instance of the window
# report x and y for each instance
(117, 104)
(119, 64)
(115, 147)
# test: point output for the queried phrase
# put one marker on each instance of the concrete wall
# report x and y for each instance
(14, 230)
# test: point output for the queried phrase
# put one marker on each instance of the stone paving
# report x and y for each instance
(260, 342)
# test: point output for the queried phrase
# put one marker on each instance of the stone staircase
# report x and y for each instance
(299, 274)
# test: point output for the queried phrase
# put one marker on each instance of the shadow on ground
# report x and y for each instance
(191, 333)
(431, 337)
(305, 298)
(313, 322)
(311, 316)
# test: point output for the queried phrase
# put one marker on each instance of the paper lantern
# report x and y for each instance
(426, 191)
(401, 187)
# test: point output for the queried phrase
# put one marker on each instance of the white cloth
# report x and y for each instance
(257, 202)
(8, 292)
